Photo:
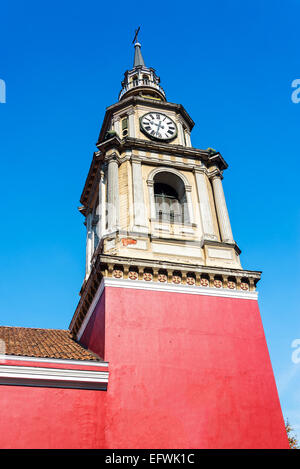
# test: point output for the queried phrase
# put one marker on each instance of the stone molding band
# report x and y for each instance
(15, 375)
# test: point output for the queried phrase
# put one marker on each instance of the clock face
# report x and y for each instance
(158, 126)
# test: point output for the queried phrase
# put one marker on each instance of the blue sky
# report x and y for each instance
(230, 63)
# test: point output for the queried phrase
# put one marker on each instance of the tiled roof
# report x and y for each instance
(43, 343)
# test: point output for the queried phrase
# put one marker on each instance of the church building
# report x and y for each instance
(166, 348)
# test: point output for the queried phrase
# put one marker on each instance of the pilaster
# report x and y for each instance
(116, 124)
(221, 207)
(112, 193)
(139, 208)
(101, 225)
(131, 117)
(205, 205)
(89, 243)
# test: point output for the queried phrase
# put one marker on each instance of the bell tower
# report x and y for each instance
(165, 299)
(158, 198)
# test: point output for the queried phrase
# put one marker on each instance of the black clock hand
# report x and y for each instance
(161, 126)
(158, 127)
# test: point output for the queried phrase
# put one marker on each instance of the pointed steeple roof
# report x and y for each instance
(138, 58)
(141, 79)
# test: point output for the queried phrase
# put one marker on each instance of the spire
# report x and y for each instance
(141, 80)
(138, 58)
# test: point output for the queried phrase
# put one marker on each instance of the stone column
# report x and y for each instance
(188, 193)
(188, 138)
(180, 131)
(117, 125)
(151, 199)
(205, 206)
(89, 244)
(112, 194)
(131, 130)
(139, 208)
(223, 217)
(182, 140)
(101, 225)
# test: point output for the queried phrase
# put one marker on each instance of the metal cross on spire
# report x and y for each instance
(136, 35)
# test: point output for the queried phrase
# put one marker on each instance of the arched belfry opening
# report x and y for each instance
(170, 198)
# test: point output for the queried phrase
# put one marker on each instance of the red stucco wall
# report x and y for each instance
(186, 371)
(35, 417)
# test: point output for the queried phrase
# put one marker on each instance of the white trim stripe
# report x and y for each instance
(58, 361)
(178, 288)
(53, 377)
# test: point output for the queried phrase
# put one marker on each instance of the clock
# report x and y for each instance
(158, 126)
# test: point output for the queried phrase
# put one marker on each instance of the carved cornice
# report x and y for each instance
(110, 143)
(136, 158)
(92, 174)
(201, 169)
(117, 158)
(221, 244)
(109, 266)
(161, 147)
(131, 111)
(215, 174)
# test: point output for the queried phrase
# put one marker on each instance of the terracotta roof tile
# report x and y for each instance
(43, 343)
